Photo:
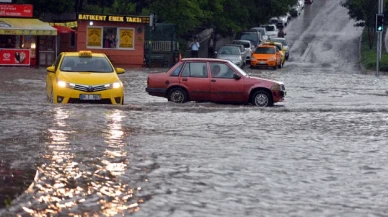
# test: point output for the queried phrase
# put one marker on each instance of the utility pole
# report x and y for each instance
(379, 31)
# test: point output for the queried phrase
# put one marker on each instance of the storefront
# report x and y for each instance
(26, 41)
(121, 38)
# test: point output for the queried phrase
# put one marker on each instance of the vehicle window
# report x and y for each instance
(198, 70)
(284, 42)
(176, 71)
(245, 44)
(265, 50)
(230, 50)
(249, 36)
(270, 28)
(221, 70)
(86, 64)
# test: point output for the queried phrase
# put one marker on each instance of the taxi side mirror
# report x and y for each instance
(51, 69)
(120, 70)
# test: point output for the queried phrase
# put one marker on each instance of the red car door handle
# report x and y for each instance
(184, 79)
(213, 80)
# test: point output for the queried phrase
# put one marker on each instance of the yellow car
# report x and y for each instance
(266, 55)
(285, 45)
(280, 49)
(84, 77)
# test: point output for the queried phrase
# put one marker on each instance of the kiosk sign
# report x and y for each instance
(16, 10)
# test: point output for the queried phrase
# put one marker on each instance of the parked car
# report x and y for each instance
(262, 31)
(244, 52)
(285, 45)
(232, 53)
(301, 3)
(266, 55)
(84, 77)
(280, 22)
(279, 50)
(284, 20)
(308, 1)
(213, 80)
(295, 10)
(247, 46)
(251, 35)
(272, 30)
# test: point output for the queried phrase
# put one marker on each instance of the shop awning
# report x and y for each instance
(21, 26)
(63, 29)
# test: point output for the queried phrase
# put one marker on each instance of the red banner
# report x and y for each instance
(20, 57)
(16, 10)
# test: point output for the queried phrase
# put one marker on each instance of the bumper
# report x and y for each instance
(278, 96)
(258, 63)
(162, 92)
(67, 95)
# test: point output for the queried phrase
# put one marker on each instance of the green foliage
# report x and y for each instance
(362, 11)
(368, 55)
(225, 16)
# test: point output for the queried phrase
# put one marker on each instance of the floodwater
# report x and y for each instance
(321, 152)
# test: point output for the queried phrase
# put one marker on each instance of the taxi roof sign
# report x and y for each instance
(85, 53)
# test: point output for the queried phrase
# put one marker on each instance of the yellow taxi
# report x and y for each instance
(280, 49)
(266, 55)
(84, 77)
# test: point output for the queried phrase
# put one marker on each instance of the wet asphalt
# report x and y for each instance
(321, 152)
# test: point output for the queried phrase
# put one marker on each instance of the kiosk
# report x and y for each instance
(121, 38)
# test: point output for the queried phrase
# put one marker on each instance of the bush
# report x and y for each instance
(368, 56)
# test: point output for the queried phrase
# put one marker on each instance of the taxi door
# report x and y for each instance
(224, 87)
(196, 80)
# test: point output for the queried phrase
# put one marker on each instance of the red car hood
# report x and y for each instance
(266, 80)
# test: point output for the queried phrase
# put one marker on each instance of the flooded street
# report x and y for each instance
(321, 152)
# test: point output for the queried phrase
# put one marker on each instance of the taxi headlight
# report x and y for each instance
(254, 59)
(113, 85)
(64, 84)
(272, 59)
(61, 83)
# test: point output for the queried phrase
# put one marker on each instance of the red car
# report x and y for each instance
(213, 80)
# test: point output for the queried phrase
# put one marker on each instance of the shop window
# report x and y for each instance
(7, 41)
(110, 37)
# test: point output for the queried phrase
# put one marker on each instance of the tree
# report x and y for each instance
(364, 13)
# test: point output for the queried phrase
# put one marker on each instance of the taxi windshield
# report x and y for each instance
(284, 42)
(265, 50)
(85, 64)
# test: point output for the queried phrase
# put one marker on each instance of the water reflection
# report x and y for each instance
(73, 180)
